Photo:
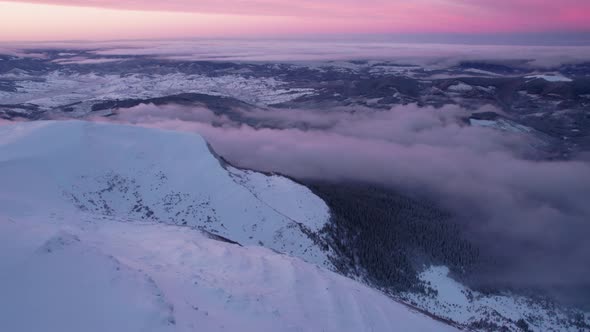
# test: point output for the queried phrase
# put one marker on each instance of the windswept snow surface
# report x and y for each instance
(88, 273)
(161, 176)
(88, 242)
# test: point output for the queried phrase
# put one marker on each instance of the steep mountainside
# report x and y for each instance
(132, 173)
(99, 231)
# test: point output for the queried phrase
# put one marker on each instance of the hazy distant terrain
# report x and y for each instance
(545, 94)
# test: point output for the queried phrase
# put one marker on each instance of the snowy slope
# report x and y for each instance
(95, 274)
(59, 283)
(90, 240)
(484, 312)
(141, 174)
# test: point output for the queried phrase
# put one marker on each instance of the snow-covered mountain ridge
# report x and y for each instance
(140, 174)
(94, 237)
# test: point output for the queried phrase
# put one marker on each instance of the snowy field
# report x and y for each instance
(60, 88)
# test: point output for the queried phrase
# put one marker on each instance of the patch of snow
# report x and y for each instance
(488, 89)
(460, 304)
(15, 74)
(460, 87)
(501, 124)
(373, 101)
(86, 61)
(393, 70)
(529, 95)
(556, 77)
(479, 71)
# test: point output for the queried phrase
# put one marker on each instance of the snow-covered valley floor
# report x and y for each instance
(59, 88)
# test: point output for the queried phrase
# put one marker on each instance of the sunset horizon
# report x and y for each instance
(433, 20)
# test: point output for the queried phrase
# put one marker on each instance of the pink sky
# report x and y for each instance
(123, 19)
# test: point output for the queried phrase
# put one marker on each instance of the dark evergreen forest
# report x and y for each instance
(387, 238)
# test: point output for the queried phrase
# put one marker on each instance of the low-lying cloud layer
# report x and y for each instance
(533, 214)
(430, 55)
(427, 54)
